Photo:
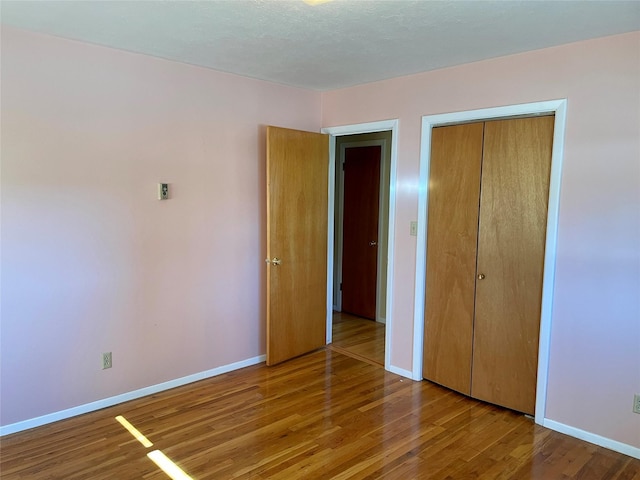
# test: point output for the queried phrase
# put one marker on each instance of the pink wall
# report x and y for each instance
(91, 260)
(595, 345)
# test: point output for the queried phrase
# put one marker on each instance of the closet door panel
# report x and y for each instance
(511, 240)
(454, 188)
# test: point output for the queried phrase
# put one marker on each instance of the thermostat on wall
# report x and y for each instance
(163, 191)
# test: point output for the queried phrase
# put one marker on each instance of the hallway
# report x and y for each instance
(358, 338)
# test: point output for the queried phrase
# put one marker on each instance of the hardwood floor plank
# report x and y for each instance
(321, 416)
(359, 338)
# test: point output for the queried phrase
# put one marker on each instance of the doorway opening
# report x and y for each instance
(360, 325)
(360, 244)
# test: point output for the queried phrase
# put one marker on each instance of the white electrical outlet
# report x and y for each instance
(106, 360)
(413, 229)
(636, 403)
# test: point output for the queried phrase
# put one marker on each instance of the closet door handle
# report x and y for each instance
(481, 276)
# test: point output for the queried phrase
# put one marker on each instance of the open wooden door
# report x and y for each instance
(297, 201)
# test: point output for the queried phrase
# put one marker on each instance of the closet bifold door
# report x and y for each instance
(454, 189)
(511, 241)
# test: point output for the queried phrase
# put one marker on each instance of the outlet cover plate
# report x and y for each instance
(636, 403)
(106, 360)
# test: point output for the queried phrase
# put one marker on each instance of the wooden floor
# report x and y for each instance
(358, 337)
(321, 416)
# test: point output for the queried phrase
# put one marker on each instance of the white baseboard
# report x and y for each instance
(381, 320)
(400, 371)
(592, 438)
(125, 397)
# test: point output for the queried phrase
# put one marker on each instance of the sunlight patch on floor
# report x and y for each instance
(170, 468)
(134, 431)
(159, 458)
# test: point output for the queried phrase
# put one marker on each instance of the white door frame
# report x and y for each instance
(557, 107)
(382, 188)
(370, 127)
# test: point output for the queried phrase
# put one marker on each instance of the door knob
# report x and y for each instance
(275, 261)
(373, 243)
(481, 276)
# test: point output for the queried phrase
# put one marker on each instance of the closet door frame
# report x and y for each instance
(555, 107)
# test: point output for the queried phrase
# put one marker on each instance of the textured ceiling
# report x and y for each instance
(330, 45)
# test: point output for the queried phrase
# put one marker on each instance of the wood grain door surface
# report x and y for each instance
(360, 230)
(452, 232)
(297, 202)
(511, 240)
(488, 195)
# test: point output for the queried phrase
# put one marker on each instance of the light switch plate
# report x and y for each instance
(413, 229)
(163, 191)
